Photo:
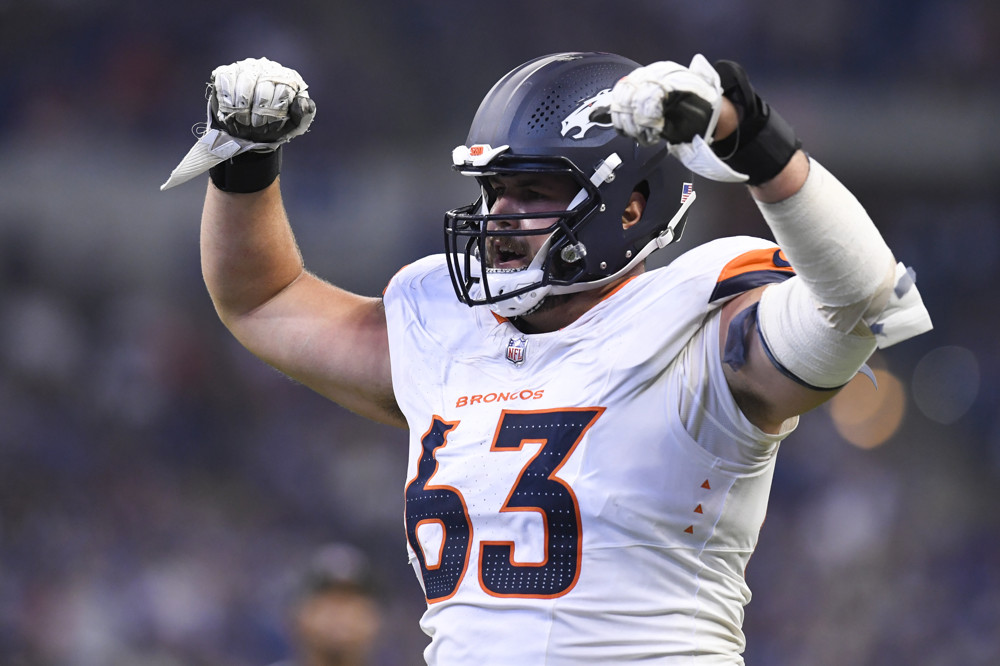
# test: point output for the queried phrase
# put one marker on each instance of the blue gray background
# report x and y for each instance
(159, 487)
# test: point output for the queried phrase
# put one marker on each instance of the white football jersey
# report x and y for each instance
(590, 495)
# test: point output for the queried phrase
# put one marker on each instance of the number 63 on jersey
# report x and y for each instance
(441, 511)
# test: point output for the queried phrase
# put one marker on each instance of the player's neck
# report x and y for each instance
(561, 310)
(556, 312)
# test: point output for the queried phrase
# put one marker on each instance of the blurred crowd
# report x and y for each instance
(161, 490)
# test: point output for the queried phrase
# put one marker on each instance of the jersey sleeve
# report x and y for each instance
(726, 267)
(708, 408)
(415, 289)
(751, 269)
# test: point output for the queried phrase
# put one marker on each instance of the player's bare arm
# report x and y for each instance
(330, 340)
(326, 338)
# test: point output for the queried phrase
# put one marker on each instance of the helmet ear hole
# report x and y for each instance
(643, 189)
(636, 205)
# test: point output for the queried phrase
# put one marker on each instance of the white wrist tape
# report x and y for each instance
(821, 325)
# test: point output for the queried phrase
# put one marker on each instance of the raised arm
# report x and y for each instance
(788, 347)
(330, 340)
(808, 336)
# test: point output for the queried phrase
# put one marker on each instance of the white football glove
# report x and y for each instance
(254, 104)
(667, 101)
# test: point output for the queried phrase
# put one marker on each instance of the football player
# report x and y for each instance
(591, 443)
(336, 615)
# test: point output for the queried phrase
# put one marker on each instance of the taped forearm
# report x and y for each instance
(834, 248)
(848, 295)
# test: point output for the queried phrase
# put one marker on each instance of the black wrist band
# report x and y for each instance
(763, 142)
(766, 154)
(249, 172)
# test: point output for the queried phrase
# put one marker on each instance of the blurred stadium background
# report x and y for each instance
(159, 487)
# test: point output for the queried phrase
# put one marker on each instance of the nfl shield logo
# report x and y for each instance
(515, 350)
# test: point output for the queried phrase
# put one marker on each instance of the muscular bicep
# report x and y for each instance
(330, 340)
(766, 396)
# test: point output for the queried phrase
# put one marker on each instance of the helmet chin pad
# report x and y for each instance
(511, 292)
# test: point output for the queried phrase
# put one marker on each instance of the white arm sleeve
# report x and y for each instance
(848, 296)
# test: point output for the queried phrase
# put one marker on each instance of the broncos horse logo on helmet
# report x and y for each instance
(537, 119)
(581, 118)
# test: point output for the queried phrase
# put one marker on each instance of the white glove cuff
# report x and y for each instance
(905, 315)
(699, 157)
(212, 148)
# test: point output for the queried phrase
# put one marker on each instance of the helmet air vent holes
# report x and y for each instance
(546, 112)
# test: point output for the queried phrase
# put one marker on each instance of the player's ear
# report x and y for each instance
(633, 211)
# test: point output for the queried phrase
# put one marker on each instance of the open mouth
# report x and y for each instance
(506, 254)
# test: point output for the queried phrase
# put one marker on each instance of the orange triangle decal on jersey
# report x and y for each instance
(698, 509)
(706, 485)
(690, 529)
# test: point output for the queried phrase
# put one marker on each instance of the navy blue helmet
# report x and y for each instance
(550, 116)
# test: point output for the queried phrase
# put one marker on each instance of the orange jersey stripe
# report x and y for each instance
(756, 260)
(752, 269)
(618, 288)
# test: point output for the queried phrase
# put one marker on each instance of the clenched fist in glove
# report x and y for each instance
(254, 106)
(681, 105)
